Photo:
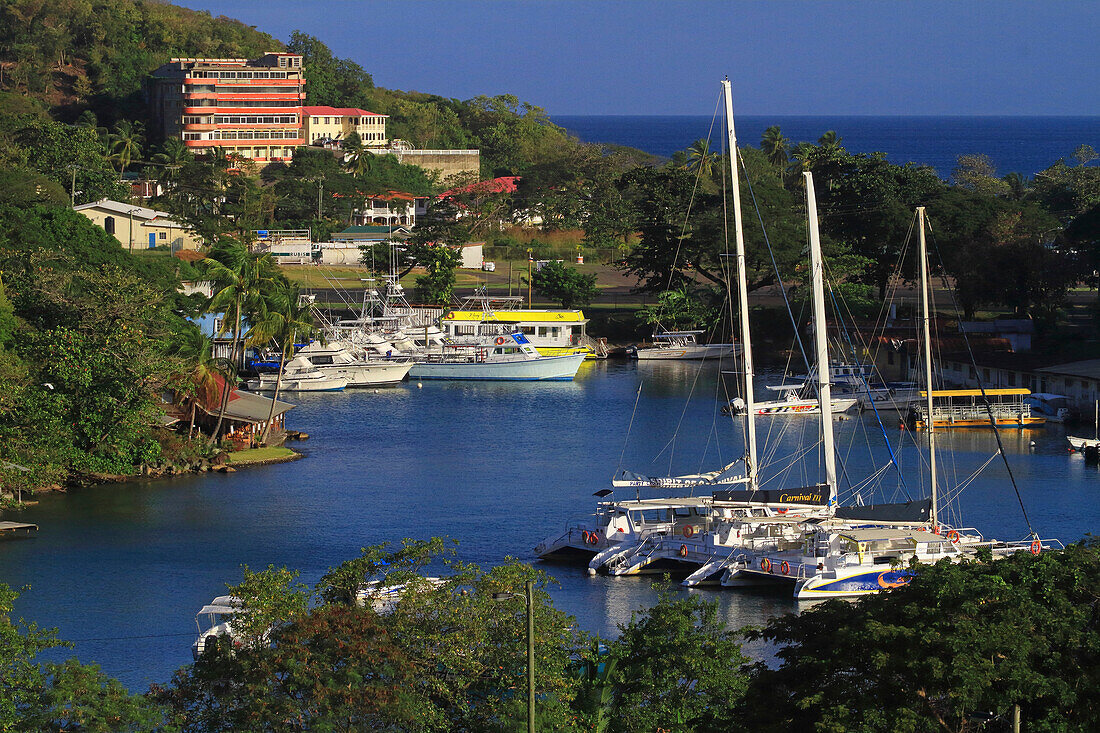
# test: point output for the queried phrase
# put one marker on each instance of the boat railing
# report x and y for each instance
(972, 412)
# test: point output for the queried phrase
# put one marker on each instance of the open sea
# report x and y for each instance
(1024, 145)
(121, 570)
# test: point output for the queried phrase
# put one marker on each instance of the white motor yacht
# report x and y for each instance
(214, 620)
(681, 345)
(299, 375)
(334, 360)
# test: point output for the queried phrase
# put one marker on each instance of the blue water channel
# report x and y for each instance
(122, 569)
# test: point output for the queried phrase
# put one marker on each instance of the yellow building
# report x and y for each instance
(139, 227)
(323, 124)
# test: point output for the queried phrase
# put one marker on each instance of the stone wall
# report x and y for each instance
(447, 162)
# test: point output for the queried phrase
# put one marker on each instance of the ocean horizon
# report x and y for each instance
(1025, 145)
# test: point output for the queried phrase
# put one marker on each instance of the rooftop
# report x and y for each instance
(340, 112)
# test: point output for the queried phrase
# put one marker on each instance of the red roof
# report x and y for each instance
(505, 184)
(340, 112)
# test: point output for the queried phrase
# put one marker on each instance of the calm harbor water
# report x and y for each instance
(123, 569)
(1024, 145)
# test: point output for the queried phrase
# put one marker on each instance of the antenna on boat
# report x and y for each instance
(821, 342)
(742, 294)
(929, 423)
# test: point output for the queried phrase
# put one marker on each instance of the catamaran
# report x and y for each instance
(842, 557)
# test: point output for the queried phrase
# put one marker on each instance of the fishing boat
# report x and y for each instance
(680, 345)
(975, 408)
(299, 375)
(507, 358)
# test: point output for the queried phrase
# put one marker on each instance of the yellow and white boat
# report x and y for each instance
(551, 332)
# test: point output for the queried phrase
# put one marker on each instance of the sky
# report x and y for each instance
(666, 57)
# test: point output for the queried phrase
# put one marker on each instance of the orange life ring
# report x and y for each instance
(450, 315)
(1036, 547)
(584, 536)
(500, 340)
(689, 531)
(766, 565)
(593, 538)
(683, 550)
(785, 568)
(953, 536)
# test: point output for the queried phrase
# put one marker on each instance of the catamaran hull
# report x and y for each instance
(545, 369)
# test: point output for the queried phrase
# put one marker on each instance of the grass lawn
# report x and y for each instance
(255, 455)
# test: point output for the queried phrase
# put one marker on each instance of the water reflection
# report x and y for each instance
(497, 466)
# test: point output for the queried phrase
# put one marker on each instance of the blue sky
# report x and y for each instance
(785, 57)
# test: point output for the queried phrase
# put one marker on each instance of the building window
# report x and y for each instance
(109, 225)
(315, 120)
(163, 235)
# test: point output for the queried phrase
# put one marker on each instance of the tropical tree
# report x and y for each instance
(358, 160)
(240, 279)
(126, 141)
(173, 154)
(564, 284)
(283, 320)
(206, 372)
(700, 158)
(775, 146)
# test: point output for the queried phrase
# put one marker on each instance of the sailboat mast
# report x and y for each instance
(742, 294)
(929, 425)
(821, 343)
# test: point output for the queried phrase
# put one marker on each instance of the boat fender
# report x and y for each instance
(683, 550)
(1036, 547)
(953, 536)
(500, 340)
(766, 565)
(450, 315)
(689, 531)
(593, 538)
(785, 568)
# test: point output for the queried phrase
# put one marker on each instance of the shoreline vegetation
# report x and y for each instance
(955, 649)
(103, 373)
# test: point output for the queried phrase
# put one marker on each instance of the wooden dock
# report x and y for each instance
(17, 529)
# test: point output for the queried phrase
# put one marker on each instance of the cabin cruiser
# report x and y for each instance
(214, 620)
(334, 359)
(680, 345)
(299, 375)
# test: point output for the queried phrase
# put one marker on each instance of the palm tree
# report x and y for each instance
(775, 146)
(173, 154)
(358, 160)
(830, 140)
(206, 372)
(126, 142)
(284, 319)
(241, 279)
(700, 159)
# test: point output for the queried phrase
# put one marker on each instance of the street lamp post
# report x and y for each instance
(530, 261)
(529, 597)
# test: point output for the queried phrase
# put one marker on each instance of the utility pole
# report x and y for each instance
(320, 204)
(1015, 719)
(132, 230)
(530, 263)
(509, 278)
(72, 189)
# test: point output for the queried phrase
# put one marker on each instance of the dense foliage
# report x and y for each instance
(955, 650)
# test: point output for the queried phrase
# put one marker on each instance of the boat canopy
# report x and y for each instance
(221, 604)
(675, 334)
(728, 474)
(999, 392)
